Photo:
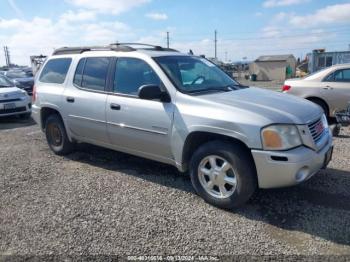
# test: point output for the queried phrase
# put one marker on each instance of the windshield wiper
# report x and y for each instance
(4, 86)
(222, 89)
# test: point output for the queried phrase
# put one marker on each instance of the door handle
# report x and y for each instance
(328, 88)
(115, 106)
(70, 99)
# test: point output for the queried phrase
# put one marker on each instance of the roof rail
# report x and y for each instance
(82, 49)
(122, 47)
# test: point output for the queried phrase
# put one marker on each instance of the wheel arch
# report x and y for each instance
(316, 98)
(197, 138)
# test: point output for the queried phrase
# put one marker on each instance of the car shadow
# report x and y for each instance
(281, 208)
(12, 122)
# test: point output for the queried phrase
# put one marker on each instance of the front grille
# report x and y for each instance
(13, 110)
(317, 130)
(10, 100)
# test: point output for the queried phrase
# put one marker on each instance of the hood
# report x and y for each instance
(10, 92)
(274, 106)
(24, 79)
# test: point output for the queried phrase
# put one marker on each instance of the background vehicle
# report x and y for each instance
(13, 101)
(329, 88)
(22, 79)
(181, 110)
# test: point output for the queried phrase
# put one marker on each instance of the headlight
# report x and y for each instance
(280, 137)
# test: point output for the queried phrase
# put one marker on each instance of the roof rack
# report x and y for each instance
(121, 47)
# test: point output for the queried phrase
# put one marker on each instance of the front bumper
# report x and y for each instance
(21, 107)
(287, 168)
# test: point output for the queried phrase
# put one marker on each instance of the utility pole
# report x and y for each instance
(216, 42)
(7, 56)
(167, 40)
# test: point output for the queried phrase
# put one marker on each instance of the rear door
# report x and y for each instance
(136, 125)
(337, 89)
(85, 100)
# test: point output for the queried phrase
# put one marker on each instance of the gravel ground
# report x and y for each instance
(96, 201)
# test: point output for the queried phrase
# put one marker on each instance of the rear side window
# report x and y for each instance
(55, 71)
(94, 73)
(78, 77)
(342, 75)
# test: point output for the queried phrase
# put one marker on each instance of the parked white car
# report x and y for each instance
(329, 88)
(13, 101)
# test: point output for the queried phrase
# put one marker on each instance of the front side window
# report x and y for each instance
(95, 73)
(131, 74)
(194, 74)
(55, 71)
(329, 78)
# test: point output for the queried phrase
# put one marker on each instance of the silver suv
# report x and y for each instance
(181, 110)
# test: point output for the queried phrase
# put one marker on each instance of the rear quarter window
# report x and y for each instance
(55, 71)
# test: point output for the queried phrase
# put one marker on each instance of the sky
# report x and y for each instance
(246, 29)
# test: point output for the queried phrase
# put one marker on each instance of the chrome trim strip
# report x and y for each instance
(137, 128)
(87, 118)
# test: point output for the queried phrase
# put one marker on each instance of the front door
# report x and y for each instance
(336, 89)
(135, 125)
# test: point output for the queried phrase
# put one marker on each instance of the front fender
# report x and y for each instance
(179, 139)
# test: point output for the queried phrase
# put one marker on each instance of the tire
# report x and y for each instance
(242, 171)
(56, 136)
(25, 116)
(322, 104)
(336, 130)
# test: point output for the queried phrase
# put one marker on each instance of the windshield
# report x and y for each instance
(5, 82)
(195, 74)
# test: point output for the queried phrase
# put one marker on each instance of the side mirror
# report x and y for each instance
(153, 92)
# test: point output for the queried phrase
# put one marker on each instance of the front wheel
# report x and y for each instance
(56, 136)
(223, 174)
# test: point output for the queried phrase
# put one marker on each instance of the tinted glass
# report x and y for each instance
(95, 73)
(346, 75)
(131, 73)
(338, 76)
(329, 78)
(55, 71)
(78, 76)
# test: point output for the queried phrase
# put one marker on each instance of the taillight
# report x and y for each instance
(286, 88)
(34, 93)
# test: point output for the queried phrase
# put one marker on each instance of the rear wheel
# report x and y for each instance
(56, 136)
(223, 174)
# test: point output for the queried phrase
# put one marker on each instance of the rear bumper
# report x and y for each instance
(292, 167)
(36, 115)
